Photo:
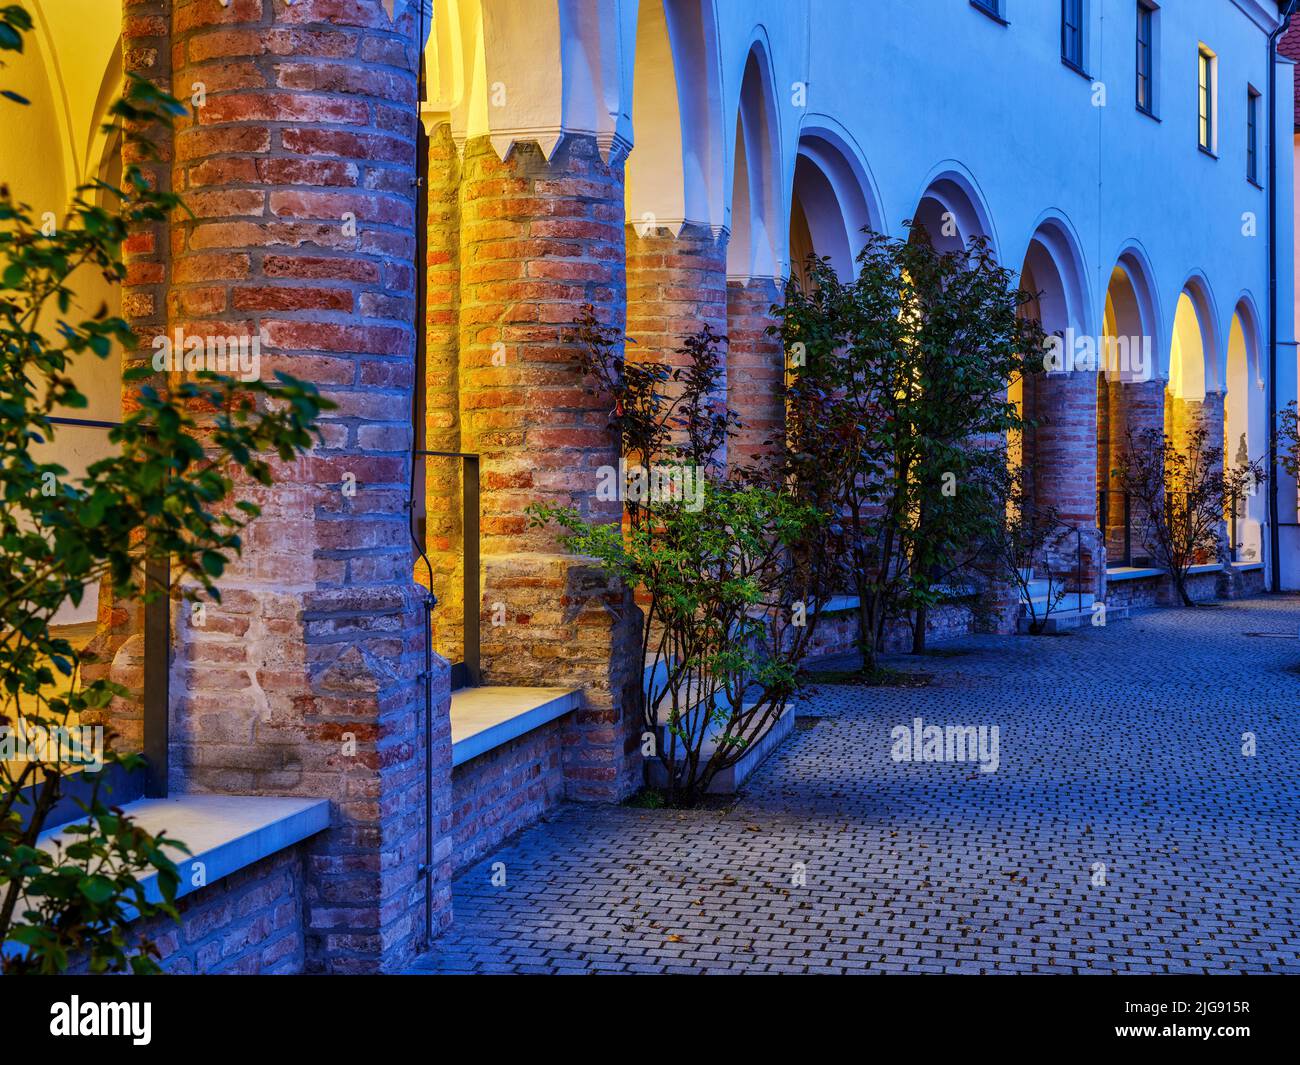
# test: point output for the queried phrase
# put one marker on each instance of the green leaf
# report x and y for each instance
(98, 889)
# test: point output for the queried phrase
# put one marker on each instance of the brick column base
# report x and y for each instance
(553, 620)
(676, 285)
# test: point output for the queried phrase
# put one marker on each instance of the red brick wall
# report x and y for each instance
(442, 476)
(248, 922)
(118, 643)
(309, 117)
(1065, 460)
(755, 368)
(505, 790)
(675, 287)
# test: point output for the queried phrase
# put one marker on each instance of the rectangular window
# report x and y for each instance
(1072, 32)
(990, 7)
(1145, 88)
(1252, 136)
(1205, 104)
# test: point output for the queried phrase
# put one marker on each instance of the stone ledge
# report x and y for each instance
(1131, 573)
(483, 719)
(224, 832)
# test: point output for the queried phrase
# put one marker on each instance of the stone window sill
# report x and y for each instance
(483, 719)
(225, 833)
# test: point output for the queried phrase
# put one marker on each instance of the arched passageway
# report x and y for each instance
(1130, 400)
(1245, 431)
(1056, 453)
(755, 362)
(831, 208)
(70, 71)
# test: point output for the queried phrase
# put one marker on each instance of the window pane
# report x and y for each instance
(1072, 31)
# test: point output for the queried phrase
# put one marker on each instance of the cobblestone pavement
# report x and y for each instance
(1120, 746)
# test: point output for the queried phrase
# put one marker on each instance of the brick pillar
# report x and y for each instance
(299, 170)
(675, 287)
(1135, 406)
(442, 476)
(540, 238)
(1065, 463)
(117, 647)
(755, 367)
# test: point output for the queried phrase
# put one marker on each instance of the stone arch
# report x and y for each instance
(1059, 455)
(756, 219)
(953, 210)
(1130, 395)
(833, 200)
(675, 170)
(1131, 311)
(1245, 422)
(1194, 365)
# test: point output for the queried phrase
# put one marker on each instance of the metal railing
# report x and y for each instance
(1234, 502)
(466, 673)
(1104, 497)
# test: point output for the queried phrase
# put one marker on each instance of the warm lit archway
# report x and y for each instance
(1245, 429)
(1058, 453)
(757, 220)
(675, 169)
(1195, 394)
(755, 263)
(70, 71)
(1130, 399)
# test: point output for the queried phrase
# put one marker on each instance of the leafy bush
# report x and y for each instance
(1181, 492)
(722, 573)
(897, 405)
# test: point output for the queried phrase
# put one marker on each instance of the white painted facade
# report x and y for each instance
(875, 112)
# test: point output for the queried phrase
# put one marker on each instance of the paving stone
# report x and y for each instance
(1118, 745)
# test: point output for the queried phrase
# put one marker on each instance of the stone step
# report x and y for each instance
(1066, 601)
(1062, 620)
(485, 718)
